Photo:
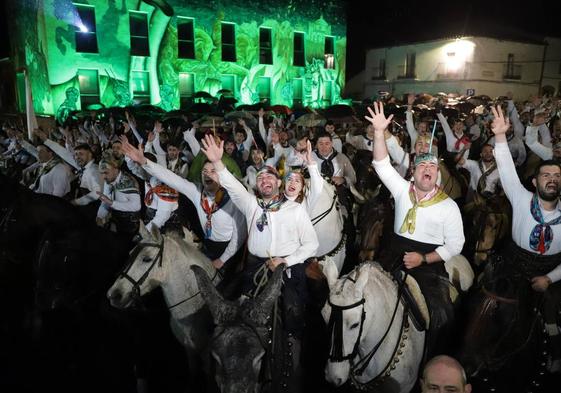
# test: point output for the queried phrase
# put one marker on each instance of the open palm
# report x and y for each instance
(377, 117)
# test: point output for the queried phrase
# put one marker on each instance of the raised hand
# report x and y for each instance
(500, 124)
(307, 155)
(135, 154)
(212, 151)
(158, 126)
(377, 118)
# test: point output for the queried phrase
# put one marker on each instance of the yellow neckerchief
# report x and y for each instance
(409, 221)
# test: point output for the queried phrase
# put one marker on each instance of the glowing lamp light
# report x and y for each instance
(457, 53)
(83, 28)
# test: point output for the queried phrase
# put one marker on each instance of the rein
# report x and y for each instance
(216, 274)
(335, 326)
(321, 216)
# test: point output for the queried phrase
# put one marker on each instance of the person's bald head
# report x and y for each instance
(444, 374)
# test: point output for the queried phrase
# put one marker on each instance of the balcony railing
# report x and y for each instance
(378, 74)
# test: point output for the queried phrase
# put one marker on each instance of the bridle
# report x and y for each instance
(132, 258)
(335, 327)
(136, 284)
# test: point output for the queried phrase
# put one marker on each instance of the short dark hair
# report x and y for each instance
(546, 163)
(240, 130)
(324, 134)
(84, 146)
(329, 123)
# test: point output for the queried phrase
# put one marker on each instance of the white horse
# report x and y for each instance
(327, 219)
(372, 341)
(165, 261)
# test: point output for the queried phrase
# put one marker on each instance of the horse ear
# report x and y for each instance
(264, 303)
(143, 232)
(361, 278)
(330, 271)
(156, 235)
(222, 311)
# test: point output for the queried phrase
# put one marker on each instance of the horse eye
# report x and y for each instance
(354, 325)
(146, 259)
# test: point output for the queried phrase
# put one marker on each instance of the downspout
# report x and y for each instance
(543, 66)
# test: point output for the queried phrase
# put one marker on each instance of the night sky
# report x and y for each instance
(384, 23)
(387, 23)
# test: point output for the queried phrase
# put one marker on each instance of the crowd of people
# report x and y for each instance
(247, 187)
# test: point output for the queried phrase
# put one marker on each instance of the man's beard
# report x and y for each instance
(549, 196)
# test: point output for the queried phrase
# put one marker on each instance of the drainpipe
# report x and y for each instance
(543, 66)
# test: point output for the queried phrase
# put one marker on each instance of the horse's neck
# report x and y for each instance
(178, 282)
(381, 301)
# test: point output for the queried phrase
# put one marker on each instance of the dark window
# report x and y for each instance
(382, 69)
(85, 34)
(297, 86)
(139, 34)
(228, 42)
(186, 88)
(265, 46)
(410, 65)
(299, 52)
(185, 38)
(510, 64)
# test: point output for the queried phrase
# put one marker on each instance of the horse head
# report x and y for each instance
(493, 312)
(241, 334)
(367, 179)
(142, 271)
(375, 218)
(344, 313)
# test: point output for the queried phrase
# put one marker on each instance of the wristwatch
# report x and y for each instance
(424, 259)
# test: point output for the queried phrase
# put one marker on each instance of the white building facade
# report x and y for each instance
(466, 66)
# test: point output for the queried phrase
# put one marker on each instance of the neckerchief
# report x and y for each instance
(411, 216)
(542, 235)
(45, 168)
(484, 175)
(464, 139)
(163, 192)
(327, 168)
(273, 206)
(220, 199)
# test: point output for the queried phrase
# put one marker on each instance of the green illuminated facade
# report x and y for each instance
(121, 52)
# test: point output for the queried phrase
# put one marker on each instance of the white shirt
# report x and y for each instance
(451, 138)
(125, 199)
(440, 223)
(55, 182)
(92, 181)
(342, 167)
(523, 222)
(163, 208)
(227, 222)
(542, 151)
(289, 231)
(360, 142)
(492, 180)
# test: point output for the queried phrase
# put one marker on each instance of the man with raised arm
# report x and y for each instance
(535, 254)
(280, 231)
(428, 225)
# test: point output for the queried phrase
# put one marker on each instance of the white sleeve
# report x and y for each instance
(390, 177)
(453, 236)
(338, 145)
(136, 134)
(249, 139)
(163, 213)
(103, 210)
(316, 184)
(555, 274)
(545, 135)
(262, 130)
(61, 182)
(348, 170)
(413, 134)
(517, 125)
(156, 144)
(172, 180)
(130, 204)
(237, 192)
(521, 156)
(239, 234)
(30, 148)
(507, 172)
(189, 137)
(472, 167)
(544, 152)
(448, 134)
